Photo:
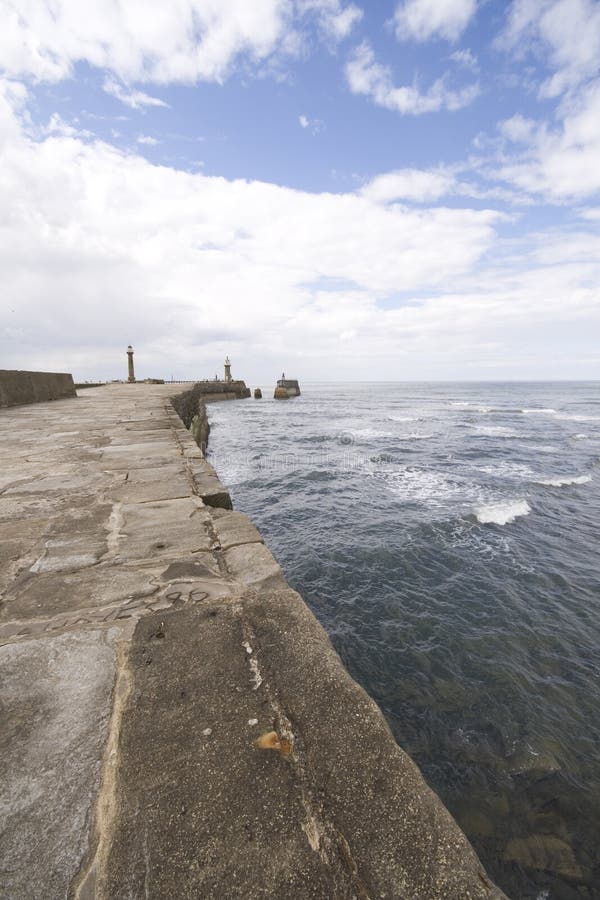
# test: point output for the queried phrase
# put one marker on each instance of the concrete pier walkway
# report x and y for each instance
(147, 639)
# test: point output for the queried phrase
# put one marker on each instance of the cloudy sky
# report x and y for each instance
(344, 190)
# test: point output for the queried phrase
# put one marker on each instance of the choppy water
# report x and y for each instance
(447, 537)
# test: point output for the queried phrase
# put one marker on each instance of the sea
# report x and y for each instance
(447, 537)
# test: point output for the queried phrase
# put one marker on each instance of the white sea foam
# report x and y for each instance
(403, 418)
(540, 410)
(563, 482)
(428, 487)
(578, 418)
(368, 434)
(502, 513)
(471, 407)
(507, 470)
(415, 436)
(494, 431)
(233, 473)
(579, 437)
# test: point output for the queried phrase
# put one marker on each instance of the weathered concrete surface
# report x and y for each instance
(56, 703)
(205, 814)
(147, 637)
(18, 387)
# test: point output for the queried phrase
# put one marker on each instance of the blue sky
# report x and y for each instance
(402, 189)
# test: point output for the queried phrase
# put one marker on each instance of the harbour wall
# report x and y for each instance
(174, 720)
(357, 755)
(214, 391)
(191, 409)
(18, 387)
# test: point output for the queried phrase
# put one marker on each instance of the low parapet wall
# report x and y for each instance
(18, 387)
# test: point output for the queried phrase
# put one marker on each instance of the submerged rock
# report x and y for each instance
(533, 762)
(544, 852)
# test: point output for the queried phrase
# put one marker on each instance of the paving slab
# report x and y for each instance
(212, 492)
(46, 594)
(200, 812)
(234, 529)
(56, 700)
(162, 527)
(171, 487)
(254, 564)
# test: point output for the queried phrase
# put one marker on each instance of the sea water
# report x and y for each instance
(447, 537)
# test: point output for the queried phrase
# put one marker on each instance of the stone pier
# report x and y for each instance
(147, 638)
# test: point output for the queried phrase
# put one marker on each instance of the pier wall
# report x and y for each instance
(191, 409)
(213, 391)
(148, 638)
(17, 387)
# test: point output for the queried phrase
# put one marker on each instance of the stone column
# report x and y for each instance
(130, 373)
(227, 370)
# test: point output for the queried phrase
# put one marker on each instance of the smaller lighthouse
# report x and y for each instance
(227, 370)
(130, 372)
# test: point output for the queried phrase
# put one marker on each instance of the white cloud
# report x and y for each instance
(421, 20)
(99, 247)
(132, 98)
(315, 125)
(147, 139)
(592, 214)
(57, 126)
(559, 158)
(366, 76)
(336, 20)
(518, 128)
(409, 184)
(561, 162)
(13, 100)
(566, 32)
(185, 42)
(466, 59)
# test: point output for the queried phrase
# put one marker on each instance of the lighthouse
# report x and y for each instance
(227, 370)
(130, 372)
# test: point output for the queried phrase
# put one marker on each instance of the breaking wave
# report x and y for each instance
(502, 513)
(472, 407)
(563, 482)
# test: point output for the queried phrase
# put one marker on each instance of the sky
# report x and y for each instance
(347, 191)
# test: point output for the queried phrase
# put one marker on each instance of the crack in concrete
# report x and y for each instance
(87, 885)
(115, 523)
(321, 833)
(243, 544)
